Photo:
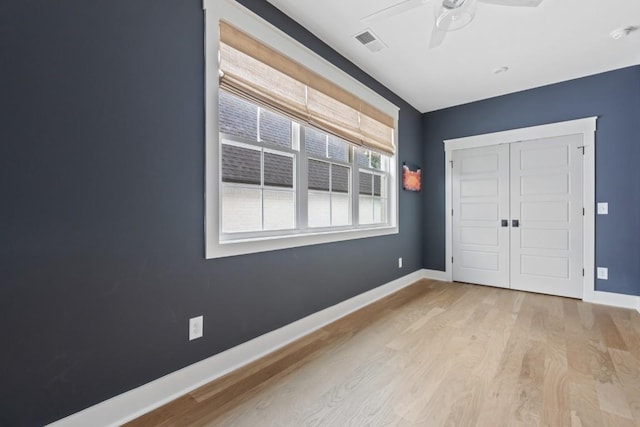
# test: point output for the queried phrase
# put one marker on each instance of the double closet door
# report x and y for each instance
(518, 215)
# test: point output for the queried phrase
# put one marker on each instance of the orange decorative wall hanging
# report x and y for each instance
(411, 180)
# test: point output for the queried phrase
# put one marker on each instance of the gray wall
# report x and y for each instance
(615, 98)
(101, 226)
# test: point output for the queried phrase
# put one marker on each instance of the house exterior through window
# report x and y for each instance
(264, 155)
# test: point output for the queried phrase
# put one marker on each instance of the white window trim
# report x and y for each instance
(240, 17)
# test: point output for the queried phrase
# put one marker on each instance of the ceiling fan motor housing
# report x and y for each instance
(455, 14)
(453, 4)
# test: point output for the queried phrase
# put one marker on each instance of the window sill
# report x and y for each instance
(272, 243)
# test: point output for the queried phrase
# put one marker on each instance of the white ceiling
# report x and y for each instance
(557, 41)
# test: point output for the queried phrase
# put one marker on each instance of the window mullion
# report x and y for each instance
(326, 146)
(303, 182)
(330, 194)
(373, 198)
(262, 185)
(386, 198)
(355, 189)
(258, 137)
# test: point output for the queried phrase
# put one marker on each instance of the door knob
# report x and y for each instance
(505, 222)
(515, 223)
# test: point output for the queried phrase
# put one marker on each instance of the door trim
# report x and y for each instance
(586, 127)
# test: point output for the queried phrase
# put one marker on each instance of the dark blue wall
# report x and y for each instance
(615, 98)
(101, 225)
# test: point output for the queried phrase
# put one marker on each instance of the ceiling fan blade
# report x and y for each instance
(440, 28)
(514, 3)
(394, 10)
(437, 37)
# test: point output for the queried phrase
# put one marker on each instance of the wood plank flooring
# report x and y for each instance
(438, 354)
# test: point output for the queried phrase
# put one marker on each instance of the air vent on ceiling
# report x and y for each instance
(370, 41)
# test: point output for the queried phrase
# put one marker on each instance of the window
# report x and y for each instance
(258, 185)
(373, 186)
(329, 180)
(261, 151)
(292, 158)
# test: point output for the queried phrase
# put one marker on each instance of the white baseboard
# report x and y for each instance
(134, 403)
(595, 297)
(616, 300)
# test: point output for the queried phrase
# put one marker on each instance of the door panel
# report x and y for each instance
(480, 236)
(545, 211)
(541, 239)
(544, 185)
(479, 188)
(550, 157)
(544, 266)
(481, 200)
(546, 198)
(480, 260)
(479, 211)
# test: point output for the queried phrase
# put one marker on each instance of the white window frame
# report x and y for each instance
(240, 17)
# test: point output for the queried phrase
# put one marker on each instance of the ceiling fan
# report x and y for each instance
(450, 15)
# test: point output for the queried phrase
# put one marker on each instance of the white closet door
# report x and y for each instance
(480, 203)
(546, 202)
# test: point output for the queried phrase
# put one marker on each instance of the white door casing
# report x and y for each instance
(586, 127)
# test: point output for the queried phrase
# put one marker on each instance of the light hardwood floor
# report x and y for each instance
(438, 354)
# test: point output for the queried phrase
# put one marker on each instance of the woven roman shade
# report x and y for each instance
(262, 75)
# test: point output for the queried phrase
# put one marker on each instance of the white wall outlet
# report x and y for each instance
(603, 273)
(603, 208)
(196, 327)
(400, 262)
